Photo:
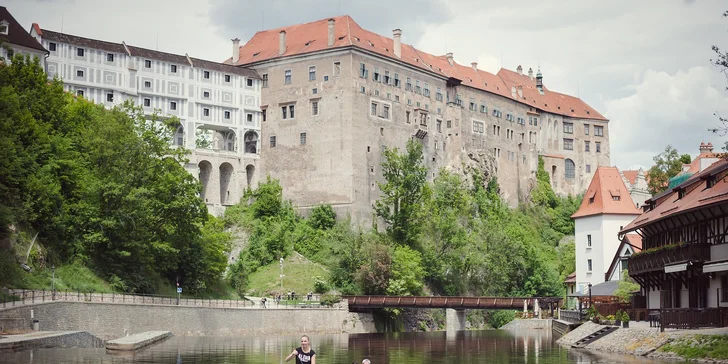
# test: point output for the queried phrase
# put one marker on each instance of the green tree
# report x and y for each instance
(667, 165)
(407, 272)
(375, 272)
(322, 217)
(626, 287)
(402, 193)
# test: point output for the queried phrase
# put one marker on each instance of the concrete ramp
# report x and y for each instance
(137, 341)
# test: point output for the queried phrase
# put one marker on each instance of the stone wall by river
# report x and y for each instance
(108, 321)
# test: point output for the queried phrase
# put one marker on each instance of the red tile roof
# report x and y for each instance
(697, 196)
(599, 197)
(313, 37)
(571, 278)
(632, 239)
(635, 240)
(631, 176)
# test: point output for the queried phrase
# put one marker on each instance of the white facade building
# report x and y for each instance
(606, 209)
(218, 105)
(14, 39)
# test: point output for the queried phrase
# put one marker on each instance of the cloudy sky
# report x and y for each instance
(644, 64)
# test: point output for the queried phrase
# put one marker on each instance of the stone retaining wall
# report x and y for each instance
(528, 324)
(109, 321)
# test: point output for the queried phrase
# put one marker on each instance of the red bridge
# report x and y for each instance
(459, 303)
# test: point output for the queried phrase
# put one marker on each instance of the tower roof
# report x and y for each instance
(606, 194)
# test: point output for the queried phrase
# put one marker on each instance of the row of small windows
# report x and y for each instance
(273, 140)
(288, 74)
(393, 79)
(598, 129)
(569, 145)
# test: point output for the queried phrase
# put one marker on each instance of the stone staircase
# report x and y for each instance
(594, 336)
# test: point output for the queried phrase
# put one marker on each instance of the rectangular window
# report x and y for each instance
(147, 102)
(588, 168)
(79, 73)
(147, 63)
(374, 109)
(229, 78)
(439, 126)
(265, 80)
(586, 129)
(483, 109)
(206, 75)
(473, 106)
(147, 84)
(173, 105)
(363, 72)
(624, 265)
(396, 80)
(407, 116)
(598, 130)
(206, 94)
(376, 74)
(273, 141)
(312, 73)
(284, 112)
(205, 112)
(385, 111)
(80, 52)
(290, 111)
(599, 147)
(449, 124)
(423, 119)
(173, 68)
(109, 57)
(249, 117)
(396, 98)
(337, 68)
(264, 113)
(408, 85)
(568, 128)
(418, 89)
(427, 90)
(724, 288)
(387, 79)
(587, 146)
(52, 47)
(110, 97)
(287, 77)
(249, 82)
(588, 265)
(227, 115)
(588, 241)
(314, 108)
(438, 94)
(568, 144)
(303, 138)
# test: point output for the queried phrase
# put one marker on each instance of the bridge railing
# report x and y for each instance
(456, 302)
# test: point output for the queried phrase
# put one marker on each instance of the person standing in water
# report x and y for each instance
(303, 354)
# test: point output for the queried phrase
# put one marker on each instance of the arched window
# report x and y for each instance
(251, 142)
(179, 136)
(569, 169)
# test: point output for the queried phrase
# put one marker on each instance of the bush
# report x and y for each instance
(498, 318)
(319, 285)
(330, 299)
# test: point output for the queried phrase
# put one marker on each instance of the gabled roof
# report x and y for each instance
(313, 37)
(631, 176)
(571, 278)
(599, 198)
(633, 240)
(17, 35)
(697, 195)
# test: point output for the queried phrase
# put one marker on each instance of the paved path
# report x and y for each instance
(49, 339)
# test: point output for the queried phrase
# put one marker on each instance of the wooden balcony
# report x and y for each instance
(651, 261)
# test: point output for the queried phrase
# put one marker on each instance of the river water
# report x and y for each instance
(491, 346)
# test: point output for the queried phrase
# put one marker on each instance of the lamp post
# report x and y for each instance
(53, 281)
(281, 261)
(590, 296)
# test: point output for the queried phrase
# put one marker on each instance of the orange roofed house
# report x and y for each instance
(607, 208)
(683, 266)
(336, 95)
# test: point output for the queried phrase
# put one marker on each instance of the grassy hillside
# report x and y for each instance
(299, 276)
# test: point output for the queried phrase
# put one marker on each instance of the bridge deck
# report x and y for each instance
(515, 303)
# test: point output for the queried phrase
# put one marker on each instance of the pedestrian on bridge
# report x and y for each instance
(304, 354)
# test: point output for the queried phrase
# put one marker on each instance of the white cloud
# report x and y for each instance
(674, 109)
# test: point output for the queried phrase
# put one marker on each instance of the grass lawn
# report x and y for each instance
(299, 274)
(699, 347)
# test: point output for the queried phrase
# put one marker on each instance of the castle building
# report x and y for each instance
(636, 182)
(336, 95)
(16, 40)
(218, 105)
(606, 209)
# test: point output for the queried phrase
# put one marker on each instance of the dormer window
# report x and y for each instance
(616, 198)
(4, 26)
(710, 182)
(680, 193)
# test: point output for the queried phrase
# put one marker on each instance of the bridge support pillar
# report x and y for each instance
(454, 320)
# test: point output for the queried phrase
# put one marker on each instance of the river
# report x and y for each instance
(490, 346)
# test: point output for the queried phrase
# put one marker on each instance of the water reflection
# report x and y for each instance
(525, 346)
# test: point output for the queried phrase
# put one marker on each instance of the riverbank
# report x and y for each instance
(642, 340)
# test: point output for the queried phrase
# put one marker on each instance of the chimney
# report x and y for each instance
(397, 36)
(519, 89)
(530, 73)
(236, 50)
(706, 148)
(332, 37)
(519, 70)
(539, 81)
(448, 55)
(475, 66)
(282, 42)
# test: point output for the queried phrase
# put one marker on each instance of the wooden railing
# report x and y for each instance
(657, 260)
(693, 318)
